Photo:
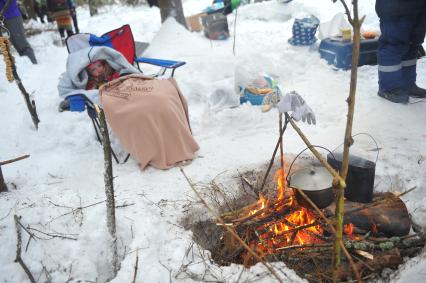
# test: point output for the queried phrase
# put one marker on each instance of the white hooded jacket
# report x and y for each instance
(74, 80)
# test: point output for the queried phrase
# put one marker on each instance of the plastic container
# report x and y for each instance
(339, 53)
(254, 99)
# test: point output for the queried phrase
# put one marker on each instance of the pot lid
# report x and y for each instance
(311, 179)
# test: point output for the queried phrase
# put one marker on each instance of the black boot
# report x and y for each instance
(415, 91)
(397, 95)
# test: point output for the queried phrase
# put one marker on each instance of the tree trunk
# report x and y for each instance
(29, 7)
(93, 7)
(3, 187)
(172, 8)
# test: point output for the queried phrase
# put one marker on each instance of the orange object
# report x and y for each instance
(369, 34)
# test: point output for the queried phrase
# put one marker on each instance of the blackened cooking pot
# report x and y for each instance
(360, 178)
(316, 183)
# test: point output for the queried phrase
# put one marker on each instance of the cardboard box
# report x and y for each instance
(194, 22)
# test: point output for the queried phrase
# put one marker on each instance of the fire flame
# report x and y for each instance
(291, 224)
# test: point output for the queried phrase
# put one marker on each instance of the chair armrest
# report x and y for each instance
(170, 64)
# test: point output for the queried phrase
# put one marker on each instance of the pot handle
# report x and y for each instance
(368, 135)
(300, 153)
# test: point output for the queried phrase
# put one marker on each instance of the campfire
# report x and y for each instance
(278, 228)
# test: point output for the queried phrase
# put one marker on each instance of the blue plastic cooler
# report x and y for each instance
(339, 53)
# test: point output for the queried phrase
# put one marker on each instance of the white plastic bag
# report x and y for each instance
(333, 28)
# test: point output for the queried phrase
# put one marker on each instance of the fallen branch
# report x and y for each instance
(3, 187)
(18, 258)
(136, 267)
(13, 160)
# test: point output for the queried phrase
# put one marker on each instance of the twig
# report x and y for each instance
(231, 231)
(275, 152)
(13, 160)
(235, 31)
(4, 217)
(18, 258)
(53, 235)
(77, 209)
(136, 267)
(327, 245)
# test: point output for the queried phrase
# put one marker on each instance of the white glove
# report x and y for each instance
(294, 102)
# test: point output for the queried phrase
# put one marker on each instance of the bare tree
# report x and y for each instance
(172, 8)
(93, 7)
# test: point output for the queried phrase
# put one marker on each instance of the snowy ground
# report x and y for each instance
(65, 169)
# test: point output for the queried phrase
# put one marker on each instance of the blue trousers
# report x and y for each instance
(397, 51)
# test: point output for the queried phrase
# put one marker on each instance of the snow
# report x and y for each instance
(65, 170)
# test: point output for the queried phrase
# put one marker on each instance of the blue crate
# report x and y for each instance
(254, 99)
(339, 53)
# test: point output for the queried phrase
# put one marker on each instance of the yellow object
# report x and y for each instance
(259, 91)
(7, 57)
(346, 34)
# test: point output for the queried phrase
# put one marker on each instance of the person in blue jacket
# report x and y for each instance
(12, 20)
(403, 27)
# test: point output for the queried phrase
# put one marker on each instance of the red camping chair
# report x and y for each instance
(121, 40)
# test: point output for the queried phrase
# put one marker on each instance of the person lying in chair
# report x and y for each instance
(86, 70)
(148, 116)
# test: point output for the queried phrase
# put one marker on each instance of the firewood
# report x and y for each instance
(388, 217)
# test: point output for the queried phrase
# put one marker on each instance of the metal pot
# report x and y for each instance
(316, 183)
(360, 178)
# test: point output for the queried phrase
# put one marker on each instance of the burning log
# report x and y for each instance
(386, 215)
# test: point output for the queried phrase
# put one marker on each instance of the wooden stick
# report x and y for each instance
(109, 188)
(28, 101)
(281, 145)
(271, 162)
(348, 141)
(13, 160)
(136, 267)
(305, 246)
(18, 258)
(230, 230)
(315, 152)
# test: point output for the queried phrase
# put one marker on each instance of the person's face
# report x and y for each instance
(96, 69)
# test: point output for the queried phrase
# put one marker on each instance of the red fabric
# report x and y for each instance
(94, 84)
(122, 41)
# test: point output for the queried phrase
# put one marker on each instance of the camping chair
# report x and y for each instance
(120, 39)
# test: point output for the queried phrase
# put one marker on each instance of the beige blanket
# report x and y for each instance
(150, 119)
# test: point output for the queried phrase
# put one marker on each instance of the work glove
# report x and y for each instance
(293, 102)
(73, 103)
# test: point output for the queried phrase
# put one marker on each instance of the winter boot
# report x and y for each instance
(396, 95)
(415, 91)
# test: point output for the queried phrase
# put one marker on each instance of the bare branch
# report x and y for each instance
(13, 160)
(18, 258)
